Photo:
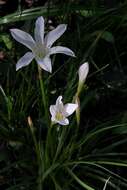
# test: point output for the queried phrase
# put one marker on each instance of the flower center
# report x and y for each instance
(59, 116)
(40, 51)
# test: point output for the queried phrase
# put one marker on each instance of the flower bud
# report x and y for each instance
(82, 72)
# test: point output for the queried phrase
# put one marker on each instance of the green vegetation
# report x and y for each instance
(89, 155)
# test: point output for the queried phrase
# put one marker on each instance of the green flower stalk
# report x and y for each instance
(38, 155)
(77, 101)
(82, 72)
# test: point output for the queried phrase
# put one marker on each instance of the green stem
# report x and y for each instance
(43, 95)
(77, 100)
(39, 158)
(48, 141)
(60, 144)
(38, 154)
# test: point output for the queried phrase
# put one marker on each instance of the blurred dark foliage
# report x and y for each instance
(10, 6)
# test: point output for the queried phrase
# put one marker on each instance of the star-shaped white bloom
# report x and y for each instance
(59, 112)
(40, 47)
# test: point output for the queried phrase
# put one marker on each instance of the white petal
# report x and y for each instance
(59, 100)
(60, 49)
(45, 64)
(64, 122)
(53, 110)
(69, 109)
(83, 72)
(39, 30)
(54, 120)
(52, 36)
(59, 105)
(23, 38)
(25, 60)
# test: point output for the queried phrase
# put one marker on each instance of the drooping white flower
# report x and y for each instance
(83, 72)
(40, 46)
(60, 112)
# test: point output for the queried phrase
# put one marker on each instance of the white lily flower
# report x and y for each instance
(60, 112)
(40, 47)
(83, 72)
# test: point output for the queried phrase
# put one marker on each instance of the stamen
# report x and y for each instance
(40, 51)
(59, 116)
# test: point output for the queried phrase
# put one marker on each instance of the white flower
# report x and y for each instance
(59, 111)
(40, 47)
(83, 72)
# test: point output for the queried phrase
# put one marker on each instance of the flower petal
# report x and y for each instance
(23, 38)
(52, 36)
(64, 122)
(59, 105)
(59, 100)
(53, 120)
(69, 109)
(83, 72)
(24, 61)
(60, 49)
(45, 64)
(53, 110)
(39, 30)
